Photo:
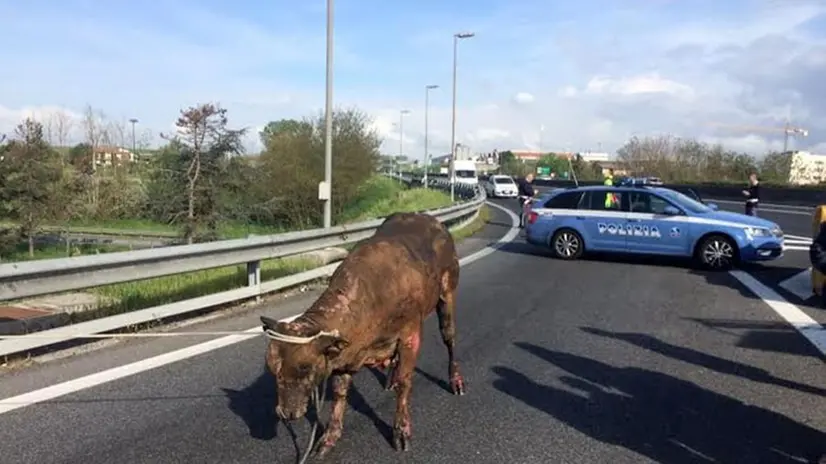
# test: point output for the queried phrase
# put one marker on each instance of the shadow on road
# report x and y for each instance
(698, 358)
(255, 405)
(778, 337)
(660, 416)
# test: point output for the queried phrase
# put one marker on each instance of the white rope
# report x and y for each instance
(280, 337)
(270, 333)
(129, 335)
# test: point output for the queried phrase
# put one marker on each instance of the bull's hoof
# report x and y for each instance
(457, 384)
(324, 446)
(401, 438)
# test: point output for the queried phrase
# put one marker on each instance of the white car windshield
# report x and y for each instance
(502, 180)
(685, 201)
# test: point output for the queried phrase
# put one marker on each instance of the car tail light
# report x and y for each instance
(532, 217)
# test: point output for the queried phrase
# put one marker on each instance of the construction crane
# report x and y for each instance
(788, 131)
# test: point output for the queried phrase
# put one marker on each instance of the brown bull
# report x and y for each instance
(371, 314)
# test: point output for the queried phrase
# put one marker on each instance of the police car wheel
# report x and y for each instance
(717, 252)
(567, 244)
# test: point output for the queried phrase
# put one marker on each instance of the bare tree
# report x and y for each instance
(95, 129)
(205, 143)
(63, 125)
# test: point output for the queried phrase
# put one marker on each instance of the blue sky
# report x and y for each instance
(593, 72)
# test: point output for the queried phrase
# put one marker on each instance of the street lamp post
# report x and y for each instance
(327, 192)
(401, 136)
(134, 143)
(427, 90)
(456, 38)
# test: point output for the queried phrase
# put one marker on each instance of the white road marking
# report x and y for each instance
(799, 237)
(800, 284)
(794, 316)
(109, 375)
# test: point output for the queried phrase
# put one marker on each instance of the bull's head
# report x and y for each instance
(299, 357)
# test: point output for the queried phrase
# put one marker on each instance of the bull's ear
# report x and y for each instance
(332, 346)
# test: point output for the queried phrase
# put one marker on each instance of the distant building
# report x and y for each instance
(112, 156)
(592, 157)
(463, 152)
(807, 168)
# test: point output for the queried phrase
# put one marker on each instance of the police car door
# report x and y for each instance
(604, 219)
(650, 230)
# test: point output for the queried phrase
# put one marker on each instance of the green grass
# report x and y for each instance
(475, 226)
(21, 251)
(146, 228)
(379, 197)
(131, 296)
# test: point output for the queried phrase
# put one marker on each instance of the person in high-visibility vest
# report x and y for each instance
(610, 198)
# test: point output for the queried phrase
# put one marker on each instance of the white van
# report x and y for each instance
(465, 172)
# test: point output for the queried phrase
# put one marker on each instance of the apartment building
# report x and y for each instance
(807, 168)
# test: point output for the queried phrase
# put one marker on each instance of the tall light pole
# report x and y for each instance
(326, 193)
(134, 143)
(427, 90)
(401, 135)
(456, 38)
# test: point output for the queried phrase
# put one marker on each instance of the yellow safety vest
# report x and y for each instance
(609, 197)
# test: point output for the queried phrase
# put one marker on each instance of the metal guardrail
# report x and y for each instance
(51, 276)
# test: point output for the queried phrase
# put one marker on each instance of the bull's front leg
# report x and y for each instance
(403, 378)
(341, 386)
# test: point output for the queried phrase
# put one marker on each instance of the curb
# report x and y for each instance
(34, 324)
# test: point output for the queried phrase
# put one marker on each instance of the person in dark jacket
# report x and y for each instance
(526, 191)
(817, 254)
(817, 250)
(752, 194)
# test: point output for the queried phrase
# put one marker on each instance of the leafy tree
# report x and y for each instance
(80, 156)
(292, 164)
(776, 168)
(32, 175)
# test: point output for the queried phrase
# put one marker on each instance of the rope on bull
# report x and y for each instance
(318, 393)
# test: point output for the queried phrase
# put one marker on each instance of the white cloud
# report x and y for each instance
(523, 97)
(637, 85)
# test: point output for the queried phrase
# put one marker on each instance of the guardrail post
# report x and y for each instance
(254, 275)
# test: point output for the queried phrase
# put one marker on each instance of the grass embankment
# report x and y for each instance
(378, 197)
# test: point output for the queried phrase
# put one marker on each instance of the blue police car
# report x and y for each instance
(648, 220)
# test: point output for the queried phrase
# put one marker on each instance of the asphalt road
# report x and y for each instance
(607, 359)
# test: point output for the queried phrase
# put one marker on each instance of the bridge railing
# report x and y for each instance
(52, 276)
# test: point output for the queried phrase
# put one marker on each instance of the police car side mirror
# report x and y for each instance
(671, 211)
(713, 206)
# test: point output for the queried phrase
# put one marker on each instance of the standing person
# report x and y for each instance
(752, 194)
(525, 193)
(610, 198)
(609, 178)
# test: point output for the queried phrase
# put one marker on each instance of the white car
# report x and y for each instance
(500, 186)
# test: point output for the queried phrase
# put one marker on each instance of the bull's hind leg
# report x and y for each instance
(341, 385)
(446, 311)
(403, 377)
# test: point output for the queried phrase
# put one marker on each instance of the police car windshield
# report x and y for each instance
(503, 180)
(685, 201)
